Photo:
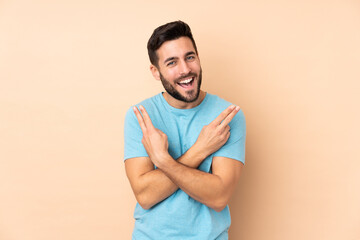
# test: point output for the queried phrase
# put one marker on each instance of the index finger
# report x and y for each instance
(146, 117)
(229, 117)
(139, 118)
(223, 115)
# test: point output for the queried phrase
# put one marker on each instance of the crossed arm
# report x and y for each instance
(151, 185)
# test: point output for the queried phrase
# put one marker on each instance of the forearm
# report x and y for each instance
(206, 188)
(154, 186)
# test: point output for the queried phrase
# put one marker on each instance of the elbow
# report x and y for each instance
(144, 202)
(219, 208)
(218, 205)
(145, 205)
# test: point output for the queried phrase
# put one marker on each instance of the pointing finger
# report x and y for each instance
(229, 117)
(223, 115)
(146, 117)
(139, 118)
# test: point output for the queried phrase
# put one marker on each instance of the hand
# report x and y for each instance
(154, 140)
(216, 134)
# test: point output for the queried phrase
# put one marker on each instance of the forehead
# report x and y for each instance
(175, 48)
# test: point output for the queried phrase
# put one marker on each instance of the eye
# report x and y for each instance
(190, 57)
(170, 63)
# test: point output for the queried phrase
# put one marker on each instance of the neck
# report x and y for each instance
(184, 105)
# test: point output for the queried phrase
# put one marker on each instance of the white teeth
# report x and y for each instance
(186, 81)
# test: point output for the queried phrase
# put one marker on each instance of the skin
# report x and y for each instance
(151, 185)
(178, 59)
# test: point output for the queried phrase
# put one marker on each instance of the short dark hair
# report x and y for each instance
(167, 32)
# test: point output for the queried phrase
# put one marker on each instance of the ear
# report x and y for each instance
(155, 72)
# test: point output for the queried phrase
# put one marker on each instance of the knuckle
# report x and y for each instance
(222, 137)
(219, 131)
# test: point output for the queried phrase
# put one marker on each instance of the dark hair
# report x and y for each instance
(167, 32)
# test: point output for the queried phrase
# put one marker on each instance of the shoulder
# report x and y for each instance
(219, 104)
(149, 104)
(154, 107)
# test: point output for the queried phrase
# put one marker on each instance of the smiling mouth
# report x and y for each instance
(186, 83)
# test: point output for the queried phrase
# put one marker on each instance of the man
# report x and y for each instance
(184, 148)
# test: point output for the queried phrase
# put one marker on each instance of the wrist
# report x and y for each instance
(198, 152)
(162, 159)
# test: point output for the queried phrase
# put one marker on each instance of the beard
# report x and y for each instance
(190, 96)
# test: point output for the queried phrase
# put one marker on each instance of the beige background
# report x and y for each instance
(70, 69)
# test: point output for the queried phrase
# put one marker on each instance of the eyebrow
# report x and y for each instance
(189, 53)
(172, 58)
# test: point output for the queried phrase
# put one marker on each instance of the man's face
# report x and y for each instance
(179, 69)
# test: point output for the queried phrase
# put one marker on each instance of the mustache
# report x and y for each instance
(185, 77)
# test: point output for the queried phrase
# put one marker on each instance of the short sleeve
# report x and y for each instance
(235, 146)
(133, 146)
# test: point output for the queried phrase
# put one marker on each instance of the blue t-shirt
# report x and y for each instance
(179, 216)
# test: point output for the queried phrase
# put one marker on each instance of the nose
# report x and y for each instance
(184, 68)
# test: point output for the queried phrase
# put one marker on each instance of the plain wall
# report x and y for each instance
(70, 69)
